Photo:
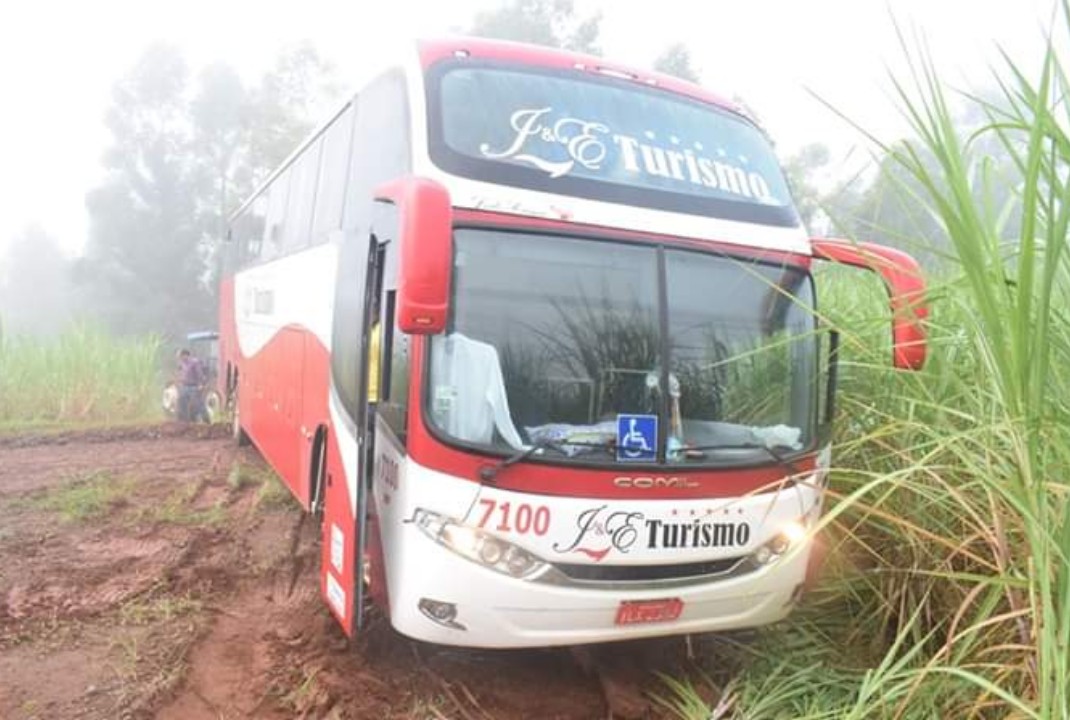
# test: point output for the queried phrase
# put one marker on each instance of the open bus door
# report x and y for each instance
(398, 273)
(372, 341)
(346, 482)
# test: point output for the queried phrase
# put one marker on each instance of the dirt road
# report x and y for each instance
(162, 572)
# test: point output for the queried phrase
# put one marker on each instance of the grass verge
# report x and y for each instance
(88, 497)
(949, 515)
(82, 376)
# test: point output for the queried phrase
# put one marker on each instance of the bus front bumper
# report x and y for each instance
(450, 600)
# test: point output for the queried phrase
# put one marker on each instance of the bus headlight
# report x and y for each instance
(481, 547)
(791, 535)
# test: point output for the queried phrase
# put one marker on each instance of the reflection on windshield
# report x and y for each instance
(584, 135)
(743, 351)
(553, 340)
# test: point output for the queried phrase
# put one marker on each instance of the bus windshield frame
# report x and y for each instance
(557, 358)
(580, 134)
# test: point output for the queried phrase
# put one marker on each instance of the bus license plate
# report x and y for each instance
(634, 612)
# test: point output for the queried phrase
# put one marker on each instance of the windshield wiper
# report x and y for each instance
(488, 473)
(775, 454)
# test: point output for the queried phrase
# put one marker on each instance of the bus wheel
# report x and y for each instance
(236, 430)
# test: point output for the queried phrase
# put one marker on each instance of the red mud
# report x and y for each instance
(182, 599)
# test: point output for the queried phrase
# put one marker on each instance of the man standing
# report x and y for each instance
(191, 378)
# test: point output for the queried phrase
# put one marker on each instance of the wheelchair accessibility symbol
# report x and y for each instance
(637, 438)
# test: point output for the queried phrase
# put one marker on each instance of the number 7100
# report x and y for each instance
(520, 518)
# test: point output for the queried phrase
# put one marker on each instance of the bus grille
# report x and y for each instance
(646, 573)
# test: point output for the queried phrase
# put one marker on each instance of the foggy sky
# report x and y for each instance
(58, 61)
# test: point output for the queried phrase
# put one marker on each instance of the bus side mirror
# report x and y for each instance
(425, 236)
(906, 292)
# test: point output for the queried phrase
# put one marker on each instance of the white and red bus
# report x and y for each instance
(535, 336)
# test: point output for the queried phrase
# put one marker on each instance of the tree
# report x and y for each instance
(35, 295)
(242, 134)
(284, 107)
(675, 60)
(801, 170)
(890, 211)
(541, 22)
(184, 155)
(143, 267)
(220, 120)
(890, 206)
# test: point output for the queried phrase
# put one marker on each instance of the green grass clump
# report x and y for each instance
(273, 494)
(86, 498)
(948, 591)
(153, 608)
(178, 509)
(82, 376)
(241, 476)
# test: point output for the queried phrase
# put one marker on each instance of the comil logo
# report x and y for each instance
(592, 148)
(648, 482)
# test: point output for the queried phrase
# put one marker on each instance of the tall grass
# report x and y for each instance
(83, 375)
(948, 595)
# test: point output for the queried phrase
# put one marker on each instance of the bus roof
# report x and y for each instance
(433, 50)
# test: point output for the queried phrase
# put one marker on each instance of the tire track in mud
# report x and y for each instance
(191, 599)
(98, 609)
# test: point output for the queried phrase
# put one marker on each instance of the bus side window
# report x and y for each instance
(379, 153)
(346, 361)
(380, 146)
(252, 248)
(302, 198)
(278, 196)
(331, 186)
(247, 233)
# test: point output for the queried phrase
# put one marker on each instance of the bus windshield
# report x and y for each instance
(603, 138)
(563, 342)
